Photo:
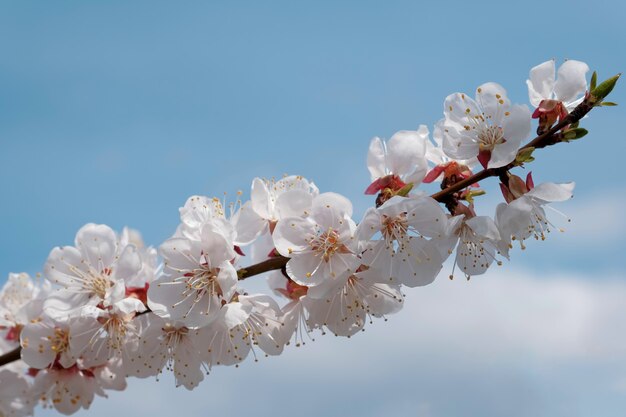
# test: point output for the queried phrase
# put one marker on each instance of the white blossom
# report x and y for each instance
(92, 272)
(197, 276)
(15, 396)
(487, 128)
(322, 246)
(567, 88)
(524, 216)
(399, 161)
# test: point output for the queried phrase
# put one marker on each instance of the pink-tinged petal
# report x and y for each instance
(484, 157)
(493, 99)
(508, 197)
(261, 199)
(530, 184)
(551, 192)
(406, 150)
(571, 80)
(290, 235)
(375, 187)
(541, 82)
(376, 159)
(98, 245)
(433, 174)
(390, 181)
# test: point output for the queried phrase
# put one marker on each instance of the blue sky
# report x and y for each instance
(116, 112)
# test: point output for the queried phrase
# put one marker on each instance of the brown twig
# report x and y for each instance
(11, 356)
(269, 265)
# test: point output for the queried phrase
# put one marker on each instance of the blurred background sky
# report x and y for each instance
(115, 112)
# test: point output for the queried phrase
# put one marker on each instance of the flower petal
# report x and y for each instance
(376, 158)
(406, 150)
(549, 192)
(493, 99)
(541, 82)
(571, 80)
(98, 245)
(293, 203)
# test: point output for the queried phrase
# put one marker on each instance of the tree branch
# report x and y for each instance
(11, 356)
(541, 141)
(268, 265)
(545, 139)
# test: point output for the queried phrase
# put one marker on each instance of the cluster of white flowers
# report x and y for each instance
(110, 307)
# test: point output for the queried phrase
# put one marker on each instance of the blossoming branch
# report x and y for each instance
(110, 307)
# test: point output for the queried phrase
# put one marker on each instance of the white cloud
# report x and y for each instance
(596, 219)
